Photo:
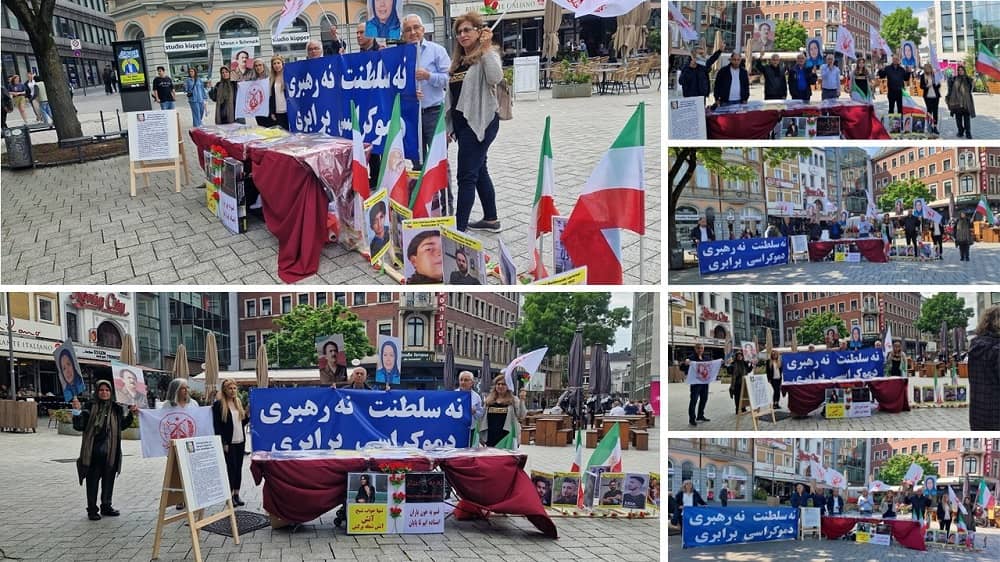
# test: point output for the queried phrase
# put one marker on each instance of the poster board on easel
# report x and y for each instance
(809, 522)
(155, 145)
(195, 475)
(756, 392)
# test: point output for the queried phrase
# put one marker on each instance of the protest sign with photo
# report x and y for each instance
(543, 482)
(565, 489)
(388, 360)
(70, 375)
(575, 276)
(423, 263)
(377, 225)
(561, 261)
(463, 258)
(397, 214)
(610, 491)
(636, 491)
(367, 503)
(130, 384)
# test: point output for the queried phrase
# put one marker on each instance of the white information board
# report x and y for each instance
(152, 135)
(800, 244)
(203, 471)
(687, 118)
(526, 71)
(810, 517)
(759, 391)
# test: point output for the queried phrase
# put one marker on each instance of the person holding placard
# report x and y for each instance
(358, 380)
(502, 408)
(230, 421)
(775, 82)
(102, 422)
(699, 392)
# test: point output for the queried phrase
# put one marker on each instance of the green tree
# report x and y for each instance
(686, 160)
(35, 18)
(789, 35)
(947, 307)
(294, 344)
(812, 329)
(550, 319)
(905, 189)
(893, 470)
(901, 25)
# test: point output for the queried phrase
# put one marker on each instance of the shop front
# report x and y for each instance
(186, 47)
(291, 44)
(97, 323)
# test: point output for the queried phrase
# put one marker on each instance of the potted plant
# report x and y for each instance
(132, 432)
(64, 419)
(573, 84)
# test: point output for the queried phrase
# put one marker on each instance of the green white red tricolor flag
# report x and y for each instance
(608, 452)
(392, 176)
(359, 164)
(613, 198)
(983, 208)
(434, 177)
(984, 497)
(987, 63)
(578, 466)
(910, 106)
(544, 206)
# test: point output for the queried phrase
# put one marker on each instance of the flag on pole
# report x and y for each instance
(877, 42)
(983, 208)
(984, 497)
(932, 215)
(887, 344)
(292, 10)
(613, 198)
(544, 206)
(608, 452)
(835, 478)
(987, 63)
(878, 486)
(938, 75)
(434, 177)
(688, 32)
(578, 452)
(913, 474)
(529, 362)
(954, 499)
(392, 175)
(845, 43)
(359, 163)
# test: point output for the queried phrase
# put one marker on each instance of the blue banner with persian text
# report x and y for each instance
(708, 526)
(319, 93)
(745, 253)
(311, 418)
(832, 365)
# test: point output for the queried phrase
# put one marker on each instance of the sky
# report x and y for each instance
(623, 336)
(919, 9)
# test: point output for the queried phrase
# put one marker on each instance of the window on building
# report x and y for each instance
(250, 306)
(303, 298)
(251, 352)
(108, 335)
(320, 299)
(358, 298)
(946, 165)
(415, 328)
(936, 447)
(72, 327)
(286, 304)
(385, 328)
(46, 309)
(265, 306)
(340, 298)
(385, 297)
(950, 470)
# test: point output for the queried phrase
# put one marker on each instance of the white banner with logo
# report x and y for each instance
(157, 428)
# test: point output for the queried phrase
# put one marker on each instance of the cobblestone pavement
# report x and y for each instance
(76, 224)
(51, 524)
(721, 410)
(981, 269)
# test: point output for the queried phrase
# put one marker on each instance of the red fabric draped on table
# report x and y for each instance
(873, 249)
(906, 533)
(891, 394)
(856, 122)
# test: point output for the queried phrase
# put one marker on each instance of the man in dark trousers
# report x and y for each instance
(732, 83)
(896, 77)
(724, 496)
(800, 79)
(911, 226)
(699, 392)
(694, 78)
(775, 84)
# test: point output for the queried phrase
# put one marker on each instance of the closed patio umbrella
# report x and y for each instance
(128, 351)
(449, 367)
(484, 376)
(181, 363)
(576, 370)
(769, 343)
(261, 366)
(211, 365)
(550, 28)
(596, 356)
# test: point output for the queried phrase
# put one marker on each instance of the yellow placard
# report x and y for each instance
(210, 201)
(834, 411)
(458, 237)
(576, 276)
(401, 210)
(862, 536)
(430, 222)
(367, 519)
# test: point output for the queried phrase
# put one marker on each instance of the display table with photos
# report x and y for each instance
(757, 120)
(872, 249)
(296, 174)
(904, 531)
(300, 486)
(890, 392)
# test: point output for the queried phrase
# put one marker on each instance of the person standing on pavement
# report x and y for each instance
(42, 99)
(19, 93)
(800, 79)
(911, 227)
(467, 381)
(230, 421)
(739, 368)
(694, 80)
(896, 361)
(224, 96)
(365, 42)
(724, 496)
(800, 498)
(830, 77)
(197, 93)
(278, 104)
(963, 236)
(937, 235)
(687, 497)
(702, 233)
(163, 89)
(984, 377)
(773, 371)
(732, 83)
(699, 392)
(944, 514)
(502, 409)
(33, 96)
(960, 102)
(8, 106)
(896, 77)
(102, 422)
(931, 86)
(775, 83)
(108, 79)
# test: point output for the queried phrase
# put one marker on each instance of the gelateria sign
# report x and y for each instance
(109, 304)
(509, 6)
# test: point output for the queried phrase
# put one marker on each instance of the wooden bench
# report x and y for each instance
(639, 438)
(527, 435)
(592, 437)
(566, 437)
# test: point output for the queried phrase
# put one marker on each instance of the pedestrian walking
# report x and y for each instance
(195, 88)
(724, 496)
(963, 236)
(896, 77)
(33, 96)
(108, 79)
(699, 392)
(224, 96)
(19, 94)
(984, 377)
(42, 99)
(230, 421)
(775, 83)
(931, 86)
(694, 79)
(960, 102)
(163, 89)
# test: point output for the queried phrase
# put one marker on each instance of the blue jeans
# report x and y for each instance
(166, 105)
(197, 112)
(46, 111)
(472, 174)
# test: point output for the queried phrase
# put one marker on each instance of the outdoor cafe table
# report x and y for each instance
(857, 120)
(873, 249)
(890, 392)
(547, 431)
(300, 486)
(904, 531)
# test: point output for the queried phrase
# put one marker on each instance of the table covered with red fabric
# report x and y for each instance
(890, 392)
(873, 249)
(301, 486)
(857, 121)
(906, 532)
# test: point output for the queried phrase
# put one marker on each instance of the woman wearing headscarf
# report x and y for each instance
(102, 422)
(960, 102)
(277, 105)
(963, 236)
(738, 370)
(224, 96)
(502, 409)
(473, 122)
(984, 377)
(230, 421)
(931, 86)
(196, 92)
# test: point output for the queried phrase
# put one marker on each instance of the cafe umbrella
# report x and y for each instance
(449, 367)
(181, 363)
(128, 350)
(484, 375)
(261, 366)
(576, 372)
(211, 365)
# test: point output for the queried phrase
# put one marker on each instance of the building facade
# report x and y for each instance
(32, 326)
(86, 20)
(645, 355)
(950, 27)
(872, 312)
(711, 464)
(820, 19)
(958, 461)
(754, 314)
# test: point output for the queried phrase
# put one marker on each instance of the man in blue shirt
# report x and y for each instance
(433, 63)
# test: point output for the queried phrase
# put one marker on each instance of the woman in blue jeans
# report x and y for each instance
(475, 71)
(197, 94)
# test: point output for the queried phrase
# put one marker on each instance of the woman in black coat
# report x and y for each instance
(931, 87)
(738, 370)
(102, 422)
(984, 375)
(688, 496)
(230, 421)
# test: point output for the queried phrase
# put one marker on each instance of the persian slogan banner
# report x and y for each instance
(319, 93)
(708, 526)
(313, 418)
(721, 256)
(821, 366)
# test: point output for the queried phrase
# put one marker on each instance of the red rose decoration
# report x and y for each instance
(395, 512)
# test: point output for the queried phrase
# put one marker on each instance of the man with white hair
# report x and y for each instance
(365, 43)
(466, 381)
(432, 79)
(314, 49)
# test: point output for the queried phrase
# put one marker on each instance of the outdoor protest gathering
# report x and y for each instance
(332, 435)
(850, 70)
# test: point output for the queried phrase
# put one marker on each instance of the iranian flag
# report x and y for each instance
(984, 497)
(509, 441)
(359, 164)
(910, 106)
(608, 452)
(434, 177)
(544, 206)
(987, 63)
(392, 175)
(613, 198)
(983, 208)
(578, 466)
(857, 94)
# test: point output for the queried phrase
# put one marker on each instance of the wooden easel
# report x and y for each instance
(179, 163)
(173, 493)
(754, 413)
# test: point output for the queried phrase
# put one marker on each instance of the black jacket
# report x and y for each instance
(896, 77)
(723, 81)
(911, 224)
(793, 83)
(124, 421)
(224, 429)
(695, 81)
(679, 497)
(835, 505)
(984, 383)
(775, 84)
(927, 82)
(696, 234)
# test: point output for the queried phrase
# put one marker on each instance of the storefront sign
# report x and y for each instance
(25, 345)
(982, 166)
(29, 329)
(109, 304)
(988, 458)
(509, 6)
(439, 329)
(98, 354)
(285, 38)
(707, 314)
(418, 356)
(181, 46)
(239, 42)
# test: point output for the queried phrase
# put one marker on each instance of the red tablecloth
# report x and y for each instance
(891, 394)
(873, 249)
(906, 533)
(856, 122)
(302, 489)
